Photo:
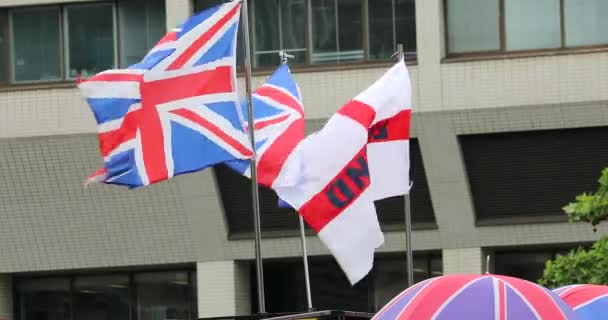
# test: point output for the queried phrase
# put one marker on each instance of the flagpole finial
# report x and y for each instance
(285, 56)
(400, 53)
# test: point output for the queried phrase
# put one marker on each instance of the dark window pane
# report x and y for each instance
(390, 275)
(526, 28)
(381, 35)
(473, 25)
(41, 299)
(285, 289)
(90, 39)
(337, 30)
(586, 22)
(293, 24)
(3, 46)
(524, 265)
(324, 30)
(235, 193)
(36, 44)
(141, 25)
(163, 295)
(102, 298)
(267, 33)
(405, 25)
(533, 173)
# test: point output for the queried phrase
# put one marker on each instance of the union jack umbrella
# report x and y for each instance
(473, 296)
(176, 111)
(589, 301)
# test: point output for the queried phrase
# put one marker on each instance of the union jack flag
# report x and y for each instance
(176, 111)
(279, 127)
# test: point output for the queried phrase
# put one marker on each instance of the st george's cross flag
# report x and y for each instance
(340, 170)
(279, 126)
(176, 111)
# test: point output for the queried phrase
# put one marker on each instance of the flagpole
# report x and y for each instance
(408, 214)
(254, 170)
(284, 56)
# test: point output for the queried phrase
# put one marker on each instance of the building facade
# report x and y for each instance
(510, 123)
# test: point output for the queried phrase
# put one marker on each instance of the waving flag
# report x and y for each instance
(334, 192)
(279, 127)
(176, 111)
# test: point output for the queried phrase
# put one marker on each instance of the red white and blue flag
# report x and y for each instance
(359, 156)
(176, 111)
(279, 127)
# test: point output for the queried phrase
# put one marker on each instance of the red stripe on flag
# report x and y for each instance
(392, 129)
(108, 141)
(359, 112)
(424, 307)
(202, 40)
(272, 160)
(280, 97)
(218, 80)
(541, 301)
(116, 77)
(344, 189)
(263, 124)
(153, 146)
(214, 129)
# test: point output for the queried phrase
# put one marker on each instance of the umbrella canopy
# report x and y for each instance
(474, 296)
(589, 301)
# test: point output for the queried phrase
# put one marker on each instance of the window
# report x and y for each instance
(327, 31)
(36, 44)
(3, 46)
(586, 22)
(520, 25)
(113, 296)
(54, 43)
(286, 292)
(90, 41)
(518, 177)
(44, 299)
(142, 24)
(101, 297)
(163, 296)
(527, 264)
(391, 23)
(279, 24)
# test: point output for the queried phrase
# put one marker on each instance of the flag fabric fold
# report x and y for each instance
(336, 167)
(279, 126)
(177, 110)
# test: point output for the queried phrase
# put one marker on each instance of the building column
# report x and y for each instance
(463, 260)
(6, 297)
(223, 288)
(177, 11)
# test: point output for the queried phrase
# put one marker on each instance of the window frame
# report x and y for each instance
(502, 37)
(65, 32)
(309, 39)
(8, 81)
(189, 269)
(5, 47)
(11, 80)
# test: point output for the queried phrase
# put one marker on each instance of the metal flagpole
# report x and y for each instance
(254, 169)
(408, 214)
(284, 56)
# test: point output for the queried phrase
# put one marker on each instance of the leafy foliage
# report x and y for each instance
(592, 208)
(583, 265)
(578, 266)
